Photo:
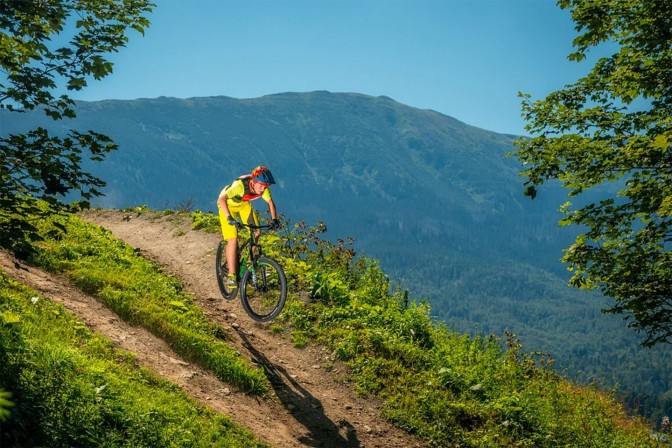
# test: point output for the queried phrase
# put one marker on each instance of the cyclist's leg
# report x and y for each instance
(230, 235)
(248, 215)
(231, 260)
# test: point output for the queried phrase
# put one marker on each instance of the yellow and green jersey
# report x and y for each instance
(239, 191)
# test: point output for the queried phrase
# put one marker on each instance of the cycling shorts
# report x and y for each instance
(242, 212)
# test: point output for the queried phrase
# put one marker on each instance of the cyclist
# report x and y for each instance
(234, 202)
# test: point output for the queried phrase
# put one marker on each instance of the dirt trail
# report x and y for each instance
(309, 406)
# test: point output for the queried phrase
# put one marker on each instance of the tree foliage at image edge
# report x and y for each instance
(614, 126)
(37, 167)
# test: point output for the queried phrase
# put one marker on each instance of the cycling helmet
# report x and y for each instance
(263, 175)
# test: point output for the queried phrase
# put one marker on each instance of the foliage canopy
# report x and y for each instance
(614, 126)
(45, 47)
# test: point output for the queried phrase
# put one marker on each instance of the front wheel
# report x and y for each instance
(263, 290)
(222, 270)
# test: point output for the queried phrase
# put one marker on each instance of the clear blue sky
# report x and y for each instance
(463, 58)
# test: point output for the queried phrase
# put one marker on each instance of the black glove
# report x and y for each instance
(275, 224)
(234, 223)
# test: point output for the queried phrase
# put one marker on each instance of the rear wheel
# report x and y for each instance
(222, 269)
(263, 290)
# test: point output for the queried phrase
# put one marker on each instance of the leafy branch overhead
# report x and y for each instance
(614, 126)
(47, 47)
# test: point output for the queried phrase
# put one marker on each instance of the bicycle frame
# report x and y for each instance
(253, 249)
(261, 280)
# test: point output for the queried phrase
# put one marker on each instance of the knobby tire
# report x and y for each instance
(263, 291)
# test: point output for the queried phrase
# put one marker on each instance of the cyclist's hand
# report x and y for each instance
(275, 224)
(234, 223)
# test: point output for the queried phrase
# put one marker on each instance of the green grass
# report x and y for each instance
(142, 295)
(454, 390)
(447, 388)
(70, 387)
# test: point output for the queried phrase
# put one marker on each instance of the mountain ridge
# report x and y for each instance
(434, 199)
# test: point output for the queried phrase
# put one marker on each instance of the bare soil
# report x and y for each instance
(310, 405)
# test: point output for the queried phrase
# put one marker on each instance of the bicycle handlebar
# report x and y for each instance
(252, 226)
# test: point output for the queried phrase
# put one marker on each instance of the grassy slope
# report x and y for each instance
(450, 389)
(72, 388)
(136, 290)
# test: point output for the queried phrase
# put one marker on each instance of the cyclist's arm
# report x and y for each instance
(235, 190)
(266, 196)
(271, 208)
(221, 201)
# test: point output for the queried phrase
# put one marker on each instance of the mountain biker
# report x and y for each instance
(234, 203)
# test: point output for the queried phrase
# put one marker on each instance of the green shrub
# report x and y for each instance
(449, 389)
(207, 222)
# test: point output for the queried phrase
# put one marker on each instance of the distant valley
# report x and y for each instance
(435, 200)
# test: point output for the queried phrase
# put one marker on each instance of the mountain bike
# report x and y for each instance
(261, 280)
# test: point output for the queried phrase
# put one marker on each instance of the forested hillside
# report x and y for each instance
(435, 200)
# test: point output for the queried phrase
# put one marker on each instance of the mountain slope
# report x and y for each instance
(309, 405)
(412, 172)
(435, 200)
(451, 389)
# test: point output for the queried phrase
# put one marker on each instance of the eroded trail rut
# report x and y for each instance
(309, 406)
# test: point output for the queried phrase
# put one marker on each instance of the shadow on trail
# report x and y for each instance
(305, 408)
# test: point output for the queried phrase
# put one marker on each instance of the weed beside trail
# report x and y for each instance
(448, 388)
(69, 387)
